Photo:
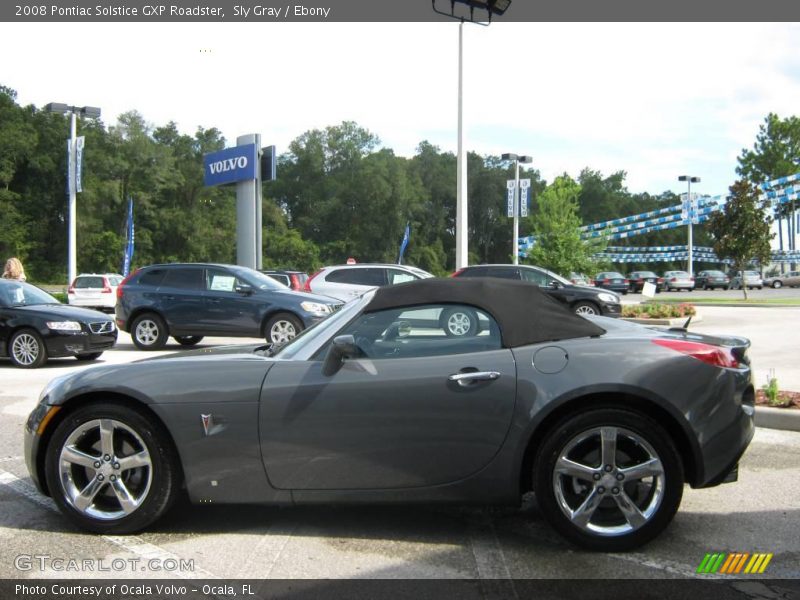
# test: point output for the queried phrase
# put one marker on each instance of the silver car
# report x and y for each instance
(678, 280)
(346, 282)
(791, 279)
(751, 279)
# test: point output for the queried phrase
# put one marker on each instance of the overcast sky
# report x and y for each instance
(655, 100)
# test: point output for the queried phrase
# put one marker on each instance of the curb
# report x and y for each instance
(786, 419)
(678, 322)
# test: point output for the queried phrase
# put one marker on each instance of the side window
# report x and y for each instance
(279, 277)
(220, 280)
(184, 279)
(534, 276)
(423, 331)
(153, 277)
(398, 276)
(502, 273)
(365, 276)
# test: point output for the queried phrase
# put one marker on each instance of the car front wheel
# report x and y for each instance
(585, 308)
(188, 340)
(281, 328)
(777, 284)
(609, 479)
(111, 469)
(27, 350)
(459, 322)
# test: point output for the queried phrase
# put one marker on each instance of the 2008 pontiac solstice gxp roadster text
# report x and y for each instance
(456, 390)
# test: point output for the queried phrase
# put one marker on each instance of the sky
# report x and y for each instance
(655, 100)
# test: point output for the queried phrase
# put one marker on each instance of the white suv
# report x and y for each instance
(346, 282)
(94, 291)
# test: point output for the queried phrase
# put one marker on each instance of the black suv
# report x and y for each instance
(189, 301)
(582, 299)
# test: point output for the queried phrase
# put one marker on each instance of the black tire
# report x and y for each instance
(281, 328)
(151, 487)
(149, 332)
(26, 349)
(459, 322)
(90, 356)
(585, 307)
(777, 285)
(638, 439)
(188, 340)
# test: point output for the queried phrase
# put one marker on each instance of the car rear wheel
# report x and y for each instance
(777, 284)
(281, 328)
(89, 356)
(188, 340)
(111, 468)
(585, 308)
(149, 332)
(27, 350)
(609, 479)
(459, 322)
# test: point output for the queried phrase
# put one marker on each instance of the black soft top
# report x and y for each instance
(524, 313)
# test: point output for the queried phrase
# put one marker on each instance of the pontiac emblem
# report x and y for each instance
(206, 422)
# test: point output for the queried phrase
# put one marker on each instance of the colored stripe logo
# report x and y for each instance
(735, 563)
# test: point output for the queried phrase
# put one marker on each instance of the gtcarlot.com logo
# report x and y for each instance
(735, 563)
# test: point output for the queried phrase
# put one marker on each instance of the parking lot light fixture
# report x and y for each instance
(517, 160)
(91, 112)
(689, 179)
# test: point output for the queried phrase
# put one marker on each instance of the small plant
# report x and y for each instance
(771, 390)
(658, 311)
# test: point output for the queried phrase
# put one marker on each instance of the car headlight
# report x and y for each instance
(316, 308)
(613, 299)
(64, 325)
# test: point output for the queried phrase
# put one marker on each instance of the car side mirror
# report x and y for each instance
(555, 284)
(243, 289)
(343, 346)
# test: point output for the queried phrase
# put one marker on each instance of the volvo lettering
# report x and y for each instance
(222, 166)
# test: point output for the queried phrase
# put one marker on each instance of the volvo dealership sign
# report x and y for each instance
(239, 163)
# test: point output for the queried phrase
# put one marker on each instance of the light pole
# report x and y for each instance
(72, 167)
(517, 160)
(492, 7)
(689, 179)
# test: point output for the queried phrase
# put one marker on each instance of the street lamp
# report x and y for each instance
(91, 112)
(492, 7)
(689, 179)
(517, 160)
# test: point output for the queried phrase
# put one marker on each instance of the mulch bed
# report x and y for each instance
(789, 400)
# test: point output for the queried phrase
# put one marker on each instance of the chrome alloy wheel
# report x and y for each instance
(608, 481)
(25, 349)
(147, 332)
(585, 310)
(459, 323)
(105, 469)
(282, 331)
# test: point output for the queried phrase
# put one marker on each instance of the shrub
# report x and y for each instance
(658, 311)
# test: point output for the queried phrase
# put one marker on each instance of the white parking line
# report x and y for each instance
(490, 561)
(131, 543)
(274, 541)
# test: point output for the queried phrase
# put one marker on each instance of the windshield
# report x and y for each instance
(258, 280)
(323, 329)
(18, 293)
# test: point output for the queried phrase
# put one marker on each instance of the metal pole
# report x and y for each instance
(462, 247)
(246, 196)
(691, 215)
(71, 210)
(515, 246)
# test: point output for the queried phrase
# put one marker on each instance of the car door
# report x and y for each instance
(180, 298)
(415, 409)
(227, 311)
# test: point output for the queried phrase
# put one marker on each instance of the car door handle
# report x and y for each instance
(465, 378)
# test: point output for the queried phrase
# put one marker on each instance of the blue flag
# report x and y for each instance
(403, 244)
(126, 261)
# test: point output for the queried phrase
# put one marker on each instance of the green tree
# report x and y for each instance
(555, 224)
(741, 230)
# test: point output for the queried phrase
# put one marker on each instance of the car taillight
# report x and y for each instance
(606, 281)
(457, 273)
(674, 279)
(640, 280)
(660, 280)
(307, 286)
(294, 281)
(625, 281)
(106, 288)
(691, 278)
(71, 288)
(712, 355)
(122, 284)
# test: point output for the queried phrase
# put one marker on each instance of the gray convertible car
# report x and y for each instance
(448, 390)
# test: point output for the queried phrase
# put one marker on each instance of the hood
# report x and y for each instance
(64, 311)
(306, 296)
